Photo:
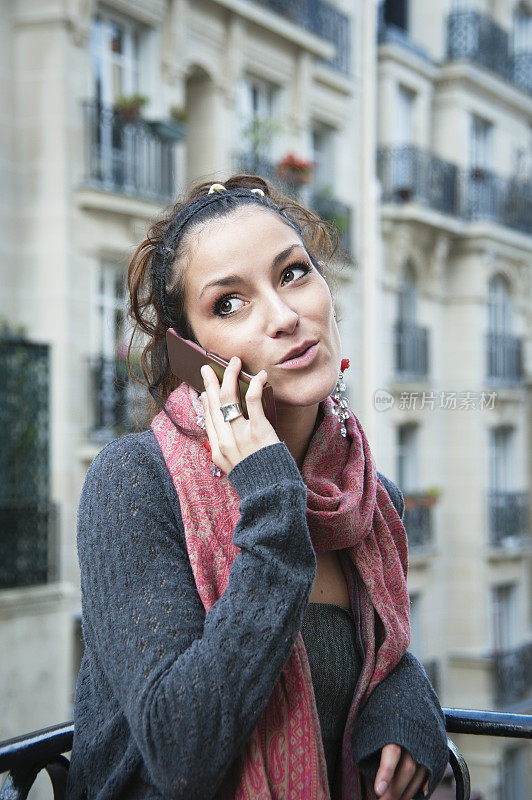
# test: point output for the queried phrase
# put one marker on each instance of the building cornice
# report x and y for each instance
(408, 59)
(471, 77)
(281, 26)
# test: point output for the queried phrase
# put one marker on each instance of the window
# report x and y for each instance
(115, 50)
(323, 156)
(514, 774)
(256, 107)
(505, 629)
(499, 306)
(481, 144)
(501, 459)
(407, 460)
(111, 312)
(405, 113)
(396, 13)
(406, 298)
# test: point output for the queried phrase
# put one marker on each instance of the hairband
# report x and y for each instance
(219, 187)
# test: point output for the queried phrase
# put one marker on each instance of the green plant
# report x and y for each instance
(130, 106)
(9, 332)
(178, 114)
(259, 132)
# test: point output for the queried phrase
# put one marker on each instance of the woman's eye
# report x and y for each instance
(292, 273)
(227, 305)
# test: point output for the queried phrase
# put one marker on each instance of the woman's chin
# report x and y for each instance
(303, 393)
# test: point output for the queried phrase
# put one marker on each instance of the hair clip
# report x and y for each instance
(217, 187)
(258, 191)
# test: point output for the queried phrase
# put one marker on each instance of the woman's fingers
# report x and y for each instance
(398, 776)
(390, 756)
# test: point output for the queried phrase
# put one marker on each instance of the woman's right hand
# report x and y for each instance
(233, 441)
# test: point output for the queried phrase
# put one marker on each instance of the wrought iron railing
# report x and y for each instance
(23, 757)
(127, 157)
(512, 675)
(504, 358)
(117, 406)
(409, 174)
(411, 350)
(418, 522)
(508, 516)
(476, 37)
(323, 19)
(29, 542)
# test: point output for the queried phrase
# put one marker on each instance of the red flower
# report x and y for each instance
(344, 365)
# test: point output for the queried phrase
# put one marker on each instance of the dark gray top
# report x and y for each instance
(167, 695)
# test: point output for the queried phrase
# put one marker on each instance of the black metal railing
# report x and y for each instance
(29, 544)
(508, 516)
(411, 350)
(409, 174)
(323, 19)
(482, 195)
(117, 407)
(127, 157)
(23, 757)
(476, 37)
(504, 354)
(418, 522)
(512, 675)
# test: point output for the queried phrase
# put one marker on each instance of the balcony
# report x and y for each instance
(475, 37)
(130, 158)
(322, 19)
(418, 521)
(336, 213)
(508, 517)
(29, 544)
(411, 175)
(118, 404)
(411, 350)
(408, 174)
(512, 675)
(504, 358)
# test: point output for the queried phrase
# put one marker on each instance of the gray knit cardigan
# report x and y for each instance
(167, 695)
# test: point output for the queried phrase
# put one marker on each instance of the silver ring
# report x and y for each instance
(231, 411)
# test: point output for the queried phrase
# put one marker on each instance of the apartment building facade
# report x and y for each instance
(454, 160)
(109, 110)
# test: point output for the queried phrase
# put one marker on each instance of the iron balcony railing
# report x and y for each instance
(23, 757)
(118, 402)
(504, 358)
(476, 37)
(409, 174)
(127, 157)
(508, 514)
(29, 542)
(336, 213)
(418, 522)
(323, 19)
(512, 675)
(411, 350)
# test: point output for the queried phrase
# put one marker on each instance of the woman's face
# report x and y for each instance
(251, 291)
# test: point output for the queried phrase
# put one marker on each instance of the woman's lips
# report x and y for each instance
(303, 360)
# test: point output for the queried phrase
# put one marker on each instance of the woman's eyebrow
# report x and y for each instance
(230, 280)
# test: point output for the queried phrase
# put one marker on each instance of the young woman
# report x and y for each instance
(245, 611)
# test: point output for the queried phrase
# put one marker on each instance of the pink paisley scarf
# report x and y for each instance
(348, 509)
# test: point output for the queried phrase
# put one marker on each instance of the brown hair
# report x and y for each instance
(154, 308)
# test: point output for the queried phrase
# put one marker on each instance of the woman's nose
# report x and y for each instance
(281, 318)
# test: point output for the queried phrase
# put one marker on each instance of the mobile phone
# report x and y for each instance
(186, 360)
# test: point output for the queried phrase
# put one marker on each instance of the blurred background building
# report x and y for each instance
(406, 124)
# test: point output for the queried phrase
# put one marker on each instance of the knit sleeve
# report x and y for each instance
(403, 709)
(191, 685)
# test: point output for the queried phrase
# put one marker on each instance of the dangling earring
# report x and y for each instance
(342, 409)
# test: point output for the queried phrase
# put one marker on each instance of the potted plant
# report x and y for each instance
(130, 106)
(295, 170)
(173, 129)
(431, 496)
